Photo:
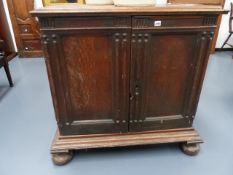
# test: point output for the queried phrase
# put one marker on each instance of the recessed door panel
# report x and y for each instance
(95, 82)
(161, 73)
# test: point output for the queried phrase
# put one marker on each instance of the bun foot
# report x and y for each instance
(190, 149)
(62, 158)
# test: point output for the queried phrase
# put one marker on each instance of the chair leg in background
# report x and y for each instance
(8, 74)
(226, 41)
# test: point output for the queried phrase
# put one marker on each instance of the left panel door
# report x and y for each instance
(89, 71)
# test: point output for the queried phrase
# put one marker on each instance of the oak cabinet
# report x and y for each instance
(125, 77)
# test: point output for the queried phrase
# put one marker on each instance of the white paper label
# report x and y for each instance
(157, 23)
(160, 2)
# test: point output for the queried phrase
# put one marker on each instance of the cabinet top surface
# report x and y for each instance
(69, 10)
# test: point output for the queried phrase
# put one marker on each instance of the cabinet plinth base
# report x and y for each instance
(63, 146)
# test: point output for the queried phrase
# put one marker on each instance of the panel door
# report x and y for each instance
(166, 76)
(89, 71)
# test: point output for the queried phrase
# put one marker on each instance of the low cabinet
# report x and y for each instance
(122, 76)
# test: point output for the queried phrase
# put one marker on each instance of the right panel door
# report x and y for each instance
(167, 69)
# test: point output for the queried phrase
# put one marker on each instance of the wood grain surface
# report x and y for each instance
(209, 2)
(64, 144)
(84, 10)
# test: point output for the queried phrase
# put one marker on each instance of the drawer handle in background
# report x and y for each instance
(157, 23)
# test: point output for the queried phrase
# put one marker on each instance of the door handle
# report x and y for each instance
(135, 94)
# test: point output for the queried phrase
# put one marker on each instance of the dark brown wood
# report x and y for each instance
(8, 74)
(27, 34)
(170, 8)
(7, 51)
(5, 34)
(126, 76)
(4, 62)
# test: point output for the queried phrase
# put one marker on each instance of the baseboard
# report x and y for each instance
(223, 49)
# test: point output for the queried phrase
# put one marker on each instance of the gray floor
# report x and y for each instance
(27, 126)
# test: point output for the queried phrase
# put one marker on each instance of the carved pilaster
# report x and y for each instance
(210, 20)
(47, 23)
(120, 40)
(140, 42)
(141, 22)
(46, 40)
(121, 22)
(117, 39)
